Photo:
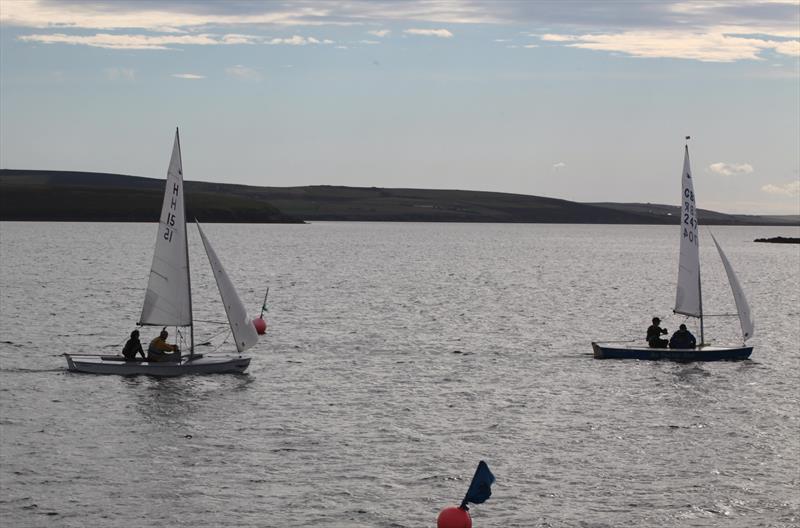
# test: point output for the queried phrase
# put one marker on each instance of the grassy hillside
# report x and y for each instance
(96, 197)
(79, 196)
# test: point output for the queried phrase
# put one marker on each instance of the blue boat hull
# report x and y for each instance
(706, 353)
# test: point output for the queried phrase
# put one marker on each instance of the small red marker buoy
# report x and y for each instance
(261, 325)
(453, 517)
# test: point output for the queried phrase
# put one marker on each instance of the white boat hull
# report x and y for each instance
(93, 364)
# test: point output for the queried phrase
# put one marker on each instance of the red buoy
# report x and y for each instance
(453, 517)
(261, 325)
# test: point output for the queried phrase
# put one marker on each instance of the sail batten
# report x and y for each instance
(244, 333)
(687, 295)
(742, 306)
(167, 301)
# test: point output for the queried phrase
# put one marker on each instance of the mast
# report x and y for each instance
(699, 282)
(186, 249)
(700, 293)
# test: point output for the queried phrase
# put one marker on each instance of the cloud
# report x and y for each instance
(715, 44)
(179, 15)
(729, 169)
(786, 189)
(243, 72)
(559, 17)
(789, 47)
(441, 33)
(240, 39)
(558, 166)
(550, 37)
(710, 31)
(163, 16)
(129, 42)
(530, 46)
(297, 40)
(190, 76)
(369, 42)
(116, 74)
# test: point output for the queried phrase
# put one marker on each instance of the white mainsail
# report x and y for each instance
(168, 298)
(244, 333)
(687, 298)
(742, 307)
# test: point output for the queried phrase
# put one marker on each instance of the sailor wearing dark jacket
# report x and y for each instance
(654, 333)
(133, 347)
(682, 338)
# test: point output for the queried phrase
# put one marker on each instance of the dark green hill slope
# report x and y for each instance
(97, 197)
(81, 196)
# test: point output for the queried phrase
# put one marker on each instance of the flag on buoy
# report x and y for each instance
(480, 489)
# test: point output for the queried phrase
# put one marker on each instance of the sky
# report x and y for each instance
(585, 101)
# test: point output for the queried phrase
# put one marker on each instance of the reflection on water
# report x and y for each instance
(176, 398)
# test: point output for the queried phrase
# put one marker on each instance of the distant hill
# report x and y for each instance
(100, 197)
(705, 216)
(84, 196)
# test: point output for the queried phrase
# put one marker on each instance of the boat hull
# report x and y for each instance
(201, 365)
(706, 353)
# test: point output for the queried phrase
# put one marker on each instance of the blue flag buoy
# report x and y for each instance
(480, 489)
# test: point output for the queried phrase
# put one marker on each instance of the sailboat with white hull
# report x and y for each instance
(168, 300)
(688, 298)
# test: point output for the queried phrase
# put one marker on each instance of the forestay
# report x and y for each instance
(687, 298)
(168, 299)
(742, 308)
(244, 333)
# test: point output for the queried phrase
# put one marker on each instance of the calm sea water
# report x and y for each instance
(398, 356)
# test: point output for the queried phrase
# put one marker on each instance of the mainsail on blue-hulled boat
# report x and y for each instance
(688, 296)
(168, 299)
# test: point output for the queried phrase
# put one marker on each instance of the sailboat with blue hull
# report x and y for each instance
(688, 297)
(168, 299)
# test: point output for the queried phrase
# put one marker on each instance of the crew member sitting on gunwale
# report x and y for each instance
(157, 351)
(654, 333)
(682, 338)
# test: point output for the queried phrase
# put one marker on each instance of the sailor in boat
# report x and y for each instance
(654, 333)
(132, 347)
(160, 350)
(682, 338)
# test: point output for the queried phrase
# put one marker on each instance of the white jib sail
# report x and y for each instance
(167, 301)
(244, 333)
(687, 298)
(743, 309)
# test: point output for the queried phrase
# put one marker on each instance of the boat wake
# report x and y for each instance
(17, 370)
